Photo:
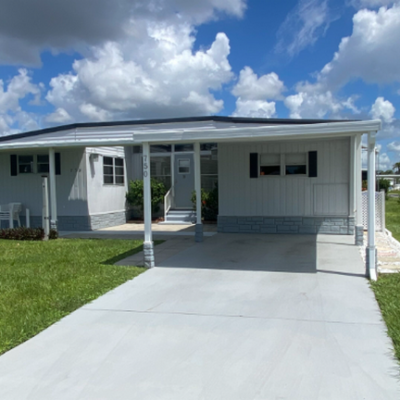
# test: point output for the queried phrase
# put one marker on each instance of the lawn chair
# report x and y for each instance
(10, 212)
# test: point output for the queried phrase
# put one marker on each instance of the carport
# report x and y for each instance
(292, 319)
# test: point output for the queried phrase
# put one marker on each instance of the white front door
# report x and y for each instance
(184, 180)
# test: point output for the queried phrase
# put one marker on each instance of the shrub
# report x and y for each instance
(135, 194)
(22, 233)
(209, 204)
(383, 184)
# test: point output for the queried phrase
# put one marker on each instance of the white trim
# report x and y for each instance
(106, 212)
(53, 188)
(371, 208)
(269, 132)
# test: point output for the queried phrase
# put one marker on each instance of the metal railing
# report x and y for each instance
(168, 202)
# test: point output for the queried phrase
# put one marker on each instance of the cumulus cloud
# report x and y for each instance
(59, 116)
(303, 26)
(314, 101)
(394, 146)
(19, 87)
(252, 93)
(158, 76)
(251, 87)
(372, 3)
(29, 27)
(254, 109)
(383, 109)
(370, 53)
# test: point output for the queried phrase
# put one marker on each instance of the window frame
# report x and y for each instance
(283, 165)
(32, 164)
(114, 175)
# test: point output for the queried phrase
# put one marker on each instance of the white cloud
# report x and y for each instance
(313, 101)
(251, 87)
(19, 87)
(372, 3)
(59, 116)
(370, 53)
(158, 76)
(303, 26)
(254, 108)
(28, 27)
(394, 146)
(383, 109)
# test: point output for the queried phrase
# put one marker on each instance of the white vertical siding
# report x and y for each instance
(27, 188)
(326, 195)
(104, 198)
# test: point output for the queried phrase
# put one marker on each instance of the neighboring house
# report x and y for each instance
(273, 175)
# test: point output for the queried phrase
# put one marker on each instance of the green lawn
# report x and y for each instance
(393, 217)
(41, 282)
(387, 288)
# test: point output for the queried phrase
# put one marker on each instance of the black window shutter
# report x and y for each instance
(312, 164)
(13, 165)
(253, 165)
(58, 163)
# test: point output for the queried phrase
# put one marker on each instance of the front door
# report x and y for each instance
(184, 180)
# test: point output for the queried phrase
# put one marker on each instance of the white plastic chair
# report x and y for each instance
(10, 212)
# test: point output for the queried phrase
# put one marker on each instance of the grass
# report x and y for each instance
(42, 282)
(393, 217)
(387, 292)
(387, 288)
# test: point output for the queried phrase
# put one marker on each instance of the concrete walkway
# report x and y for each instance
(236, 317)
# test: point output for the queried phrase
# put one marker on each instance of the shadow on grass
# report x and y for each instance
(119, 257)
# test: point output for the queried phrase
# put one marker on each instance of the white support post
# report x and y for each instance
(357, 191)
(197, 187)
(148, 247)
(371, 249)
(45, 208)
(53, 189)
(27, 218)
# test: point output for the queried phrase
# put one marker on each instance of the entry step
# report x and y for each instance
(179, 216)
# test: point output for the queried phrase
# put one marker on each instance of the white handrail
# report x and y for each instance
(168, 201)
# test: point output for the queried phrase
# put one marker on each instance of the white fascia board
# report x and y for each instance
(271, 132)
(266, 132)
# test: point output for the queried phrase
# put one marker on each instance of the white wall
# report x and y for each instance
(326, 195)
(104, 198)
(27, 188)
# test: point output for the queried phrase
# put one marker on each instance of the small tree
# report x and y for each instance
(135, 194)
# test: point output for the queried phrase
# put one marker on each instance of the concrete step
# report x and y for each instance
(180, 216)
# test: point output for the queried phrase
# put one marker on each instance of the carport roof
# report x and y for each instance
(190, 129)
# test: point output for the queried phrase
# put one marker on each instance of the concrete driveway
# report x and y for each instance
(236, 317)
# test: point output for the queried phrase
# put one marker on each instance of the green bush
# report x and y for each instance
(22, 233)
(209, 204)
(135, 194)
(383, 184)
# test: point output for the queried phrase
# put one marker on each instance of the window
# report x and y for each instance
(183, 147)
(113, 171)
(270, 164)
(184, 166)
(209, 172)
(159, 148)
(25, 164)
(43, 164)
(296, 164)
(160, 168)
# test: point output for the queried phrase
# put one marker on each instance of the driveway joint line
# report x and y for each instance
(226, 316)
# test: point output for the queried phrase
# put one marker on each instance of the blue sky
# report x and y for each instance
(97, 60)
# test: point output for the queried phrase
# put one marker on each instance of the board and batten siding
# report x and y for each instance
(27, 188)
(285, 196)
(104, 198)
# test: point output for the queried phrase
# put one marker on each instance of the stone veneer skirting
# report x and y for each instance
(311, 225)
(83, 223)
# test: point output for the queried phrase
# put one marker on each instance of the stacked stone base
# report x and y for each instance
(294, 225)
(83, 223)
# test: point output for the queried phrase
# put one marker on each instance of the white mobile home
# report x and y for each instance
(273, 175)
